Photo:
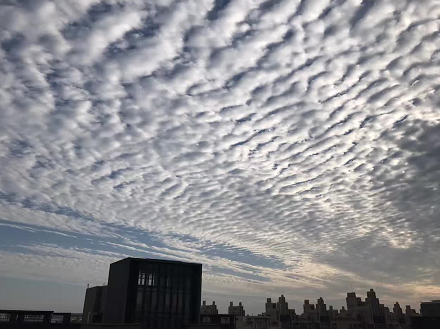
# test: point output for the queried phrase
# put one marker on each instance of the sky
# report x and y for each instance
(291, 147)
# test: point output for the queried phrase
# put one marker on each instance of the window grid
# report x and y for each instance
(164, 293)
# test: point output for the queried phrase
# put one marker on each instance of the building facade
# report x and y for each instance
(25, 319)
(208, 309)
(159, 294)
(236, 310)
(221, 321)
(430, 308)
(94, 304)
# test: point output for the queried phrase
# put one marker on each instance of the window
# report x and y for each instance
(57, 318)
(224, 320)
(151, 279)
(141, 278)
(206, 319)
(33, 318)
(76, 318)
(4, 317)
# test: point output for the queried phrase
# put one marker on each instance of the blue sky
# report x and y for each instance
(290, 146)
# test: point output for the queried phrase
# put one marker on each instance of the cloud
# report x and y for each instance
(283, 144)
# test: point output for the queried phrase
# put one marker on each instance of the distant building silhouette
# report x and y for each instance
(271, 311)
(430, 308)
(367, 314)
(410, 311)
(208, 309)
(282, 306)
(159, 294)
(236, 310)
(308, 308)
(353, 301)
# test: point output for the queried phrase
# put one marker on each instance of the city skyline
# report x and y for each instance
(290, 146)
(146, 293)
(161, 294)
(299, 310)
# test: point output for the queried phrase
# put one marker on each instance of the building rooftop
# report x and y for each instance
(435, 301)
(26, 311)
(156, 261)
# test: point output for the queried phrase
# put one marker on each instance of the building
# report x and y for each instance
(236, 310)
(22, 319)
(157, 293)
(208, 309)
(430, 308)
(282, 306)
(353, 301)
(321, 307)
(348, 323)
(360, 314)
(410, 311)
(17, 318)
(271, 312)
(308, 308)
(370, 312)
(215, 321)
(225, 321)
(252, 322)
(425, 322)
(94, 304)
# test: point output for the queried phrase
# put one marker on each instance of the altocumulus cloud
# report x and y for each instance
(287, 145)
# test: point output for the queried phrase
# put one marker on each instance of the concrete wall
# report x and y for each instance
(118, 280)
(94, 304)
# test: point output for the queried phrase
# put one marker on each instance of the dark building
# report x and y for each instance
(22, 319)
(94, 304)
(236, 310)
(159, 294)
(353, 301)
(430, 308)
(425, 322)
(208, 309)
